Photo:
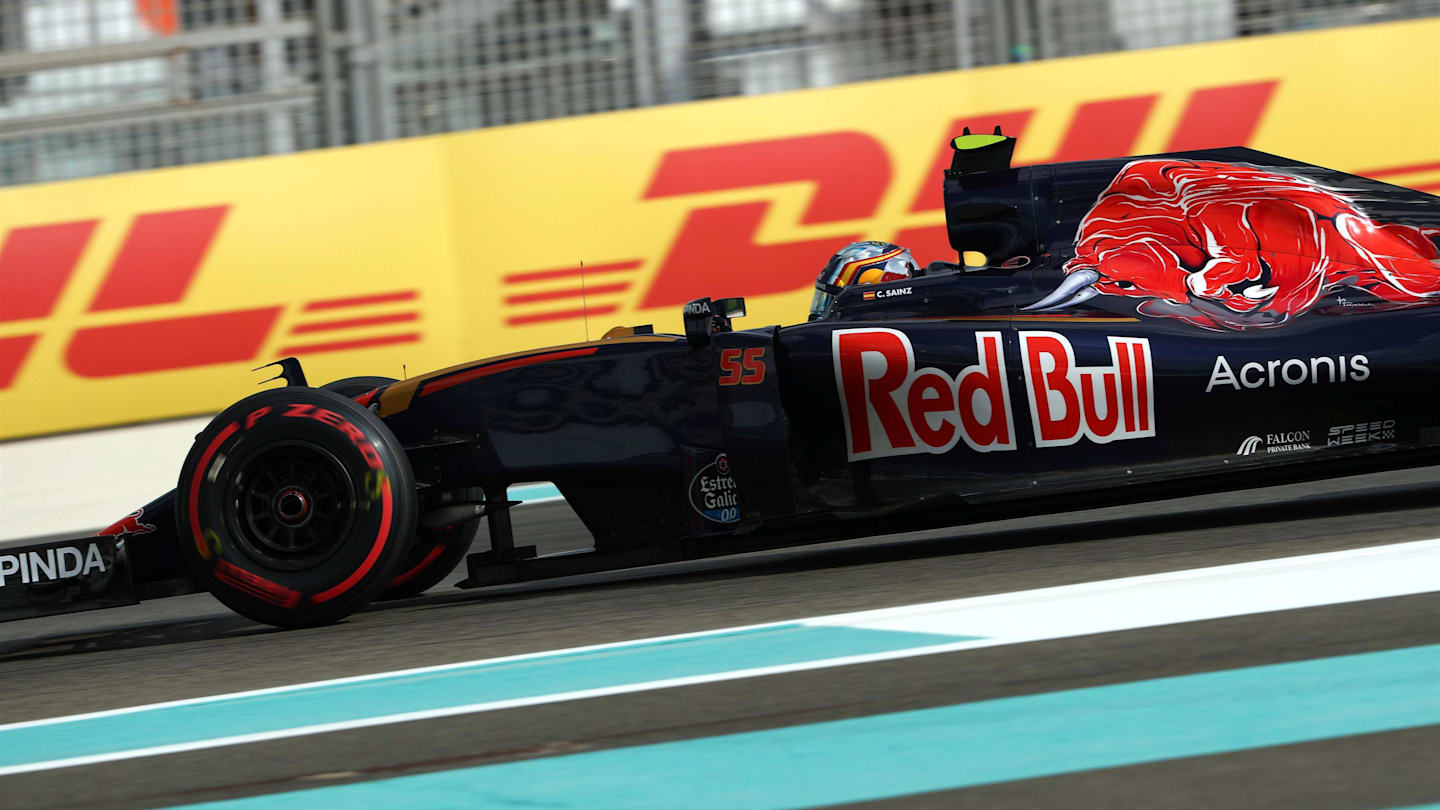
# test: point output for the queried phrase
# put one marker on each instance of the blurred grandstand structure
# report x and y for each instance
(92, 87)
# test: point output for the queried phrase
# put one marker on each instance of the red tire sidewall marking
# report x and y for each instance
(194, 495)
(431, 557)
(348, 430)
(257, 586)
(369, 562)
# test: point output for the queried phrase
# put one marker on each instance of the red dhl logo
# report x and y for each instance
(156, 264)
(163, 252)
(851, 173)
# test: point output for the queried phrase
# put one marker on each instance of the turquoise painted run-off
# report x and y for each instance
(533, 676)
(533, 492)
(941, 749)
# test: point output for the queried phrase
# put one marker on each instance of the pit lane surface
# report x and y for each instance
(191, 647)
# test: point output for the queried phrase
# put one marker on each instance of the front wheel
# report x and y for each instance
(434, 553)
(433, 556)
(296, 507)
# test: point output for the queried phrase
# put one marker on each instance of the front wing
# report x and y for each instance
(64, 576)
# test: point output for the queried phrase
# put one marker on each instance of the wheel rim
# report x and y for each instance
(291, 505)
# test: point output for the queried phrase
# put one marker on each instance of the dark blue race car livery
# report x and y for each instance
(1140, 328)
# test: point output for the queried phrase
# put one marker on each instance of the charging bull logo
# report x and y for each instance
(891, 408)
(1236, 246)
(130, 524)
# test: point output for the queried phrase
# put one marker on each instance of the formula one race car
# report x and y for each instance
(1135, 329)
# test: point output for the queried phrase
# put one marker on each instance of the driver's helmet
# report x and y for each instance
(859, 263)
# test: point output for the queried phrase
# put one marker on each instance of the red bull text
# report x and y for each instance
(892, 408)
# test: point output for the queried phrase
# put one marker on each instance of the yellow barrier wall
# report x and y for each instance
(152, 295)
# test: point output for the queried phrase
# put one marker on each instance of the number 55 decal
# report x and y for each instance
(738, 369)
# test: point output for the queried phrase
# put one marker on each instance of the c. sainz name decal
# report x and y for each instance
(892, 292)
(892, 408)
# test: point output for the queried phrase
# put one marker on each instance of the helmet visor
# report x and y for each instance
(820, 304)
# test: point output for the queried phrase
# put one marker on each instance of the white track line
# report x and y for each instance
(1111, 605)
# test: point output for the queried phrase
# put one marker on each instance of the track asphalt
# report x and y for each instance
(1348, 683)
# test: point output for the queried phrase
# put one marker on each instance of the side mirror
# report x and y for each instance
(704, 318)
(731, 307)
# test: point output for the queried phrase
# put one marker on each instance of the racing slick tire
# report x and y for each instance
(296, 507)
(434, 553)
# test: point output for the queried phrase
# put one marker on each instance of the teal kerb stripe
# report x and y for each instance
(941, 749)
(533, 492)
(637, 663)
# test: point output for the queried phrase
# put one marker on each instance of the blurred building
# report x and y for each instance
(95, 86)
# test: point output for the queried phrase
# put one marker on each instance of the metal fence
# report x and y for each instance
(96, 86)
